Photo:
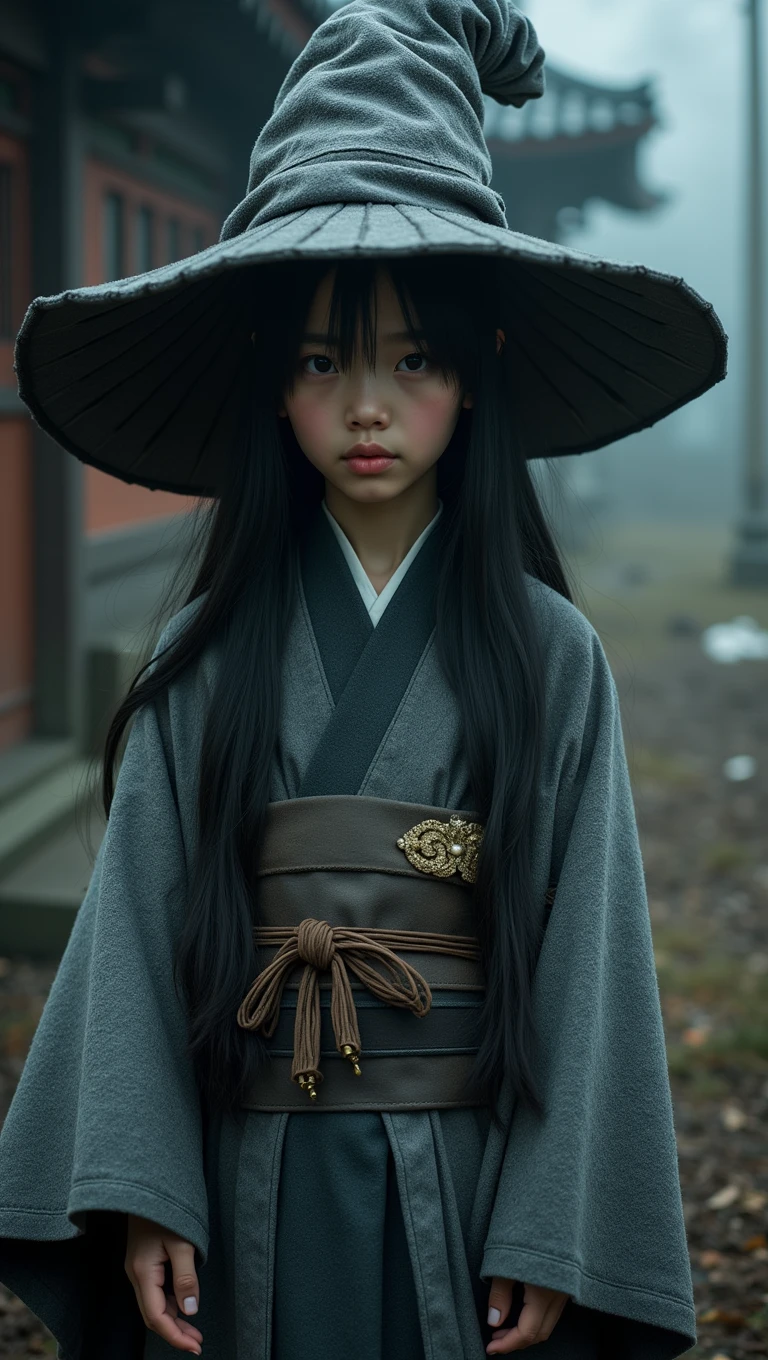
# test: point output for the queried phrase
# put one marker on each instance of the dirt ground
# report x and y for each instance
(650, 592)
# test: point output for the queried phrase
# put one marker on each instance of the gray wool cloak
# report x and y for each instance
(107, 1115)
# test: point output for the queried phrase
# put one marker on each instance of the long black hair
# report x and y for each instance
(486, 636)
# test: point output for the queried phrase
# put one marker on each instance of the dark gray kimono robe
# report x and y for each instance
(107, 1115)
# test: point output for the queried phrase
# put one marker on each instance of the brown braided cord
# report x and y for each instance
(322, 947)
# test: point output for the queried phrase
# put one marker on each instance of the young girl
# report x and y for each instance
(356, 1046)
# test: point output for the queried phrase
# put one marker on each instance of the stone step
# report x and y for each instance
(22, 766)
(50, 798)
(33, 816)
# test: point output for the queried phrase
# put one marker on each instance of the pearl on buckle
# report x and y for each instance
(429, 848)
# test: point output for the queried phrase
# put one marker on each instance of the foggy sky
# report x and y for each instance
(695, 50)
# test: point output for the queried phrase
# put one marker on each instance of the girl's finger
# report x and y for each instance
(188, 1328)
(525, 1333)
(154, 1307)
(552, 1315)
(185, 1286)
(499, 1300)
(147, 1277)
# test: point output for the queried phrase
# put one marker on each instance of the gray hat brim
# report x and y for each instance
(140, 377)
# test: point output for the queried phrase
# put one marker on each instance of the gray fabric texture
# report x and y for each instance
(384, 104)
(374, 149)
(107, 1117)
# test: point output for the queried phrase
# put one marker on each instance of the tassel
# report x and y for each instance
(344, 1014)
(305, 1068)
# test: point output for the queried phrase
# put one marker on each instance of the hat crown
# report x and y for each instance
(384, 104)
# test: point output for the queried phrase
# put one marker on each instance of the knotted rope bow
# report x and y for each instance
(323, 947)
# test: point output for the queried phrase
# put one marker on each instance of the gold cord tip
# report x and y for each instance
(353, 1055)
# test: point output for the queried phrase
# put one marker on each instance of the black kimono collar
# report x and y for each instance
(368, 668)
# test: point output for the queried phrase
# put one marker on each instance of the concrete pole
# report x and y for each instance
(755, 481)
(749, 563)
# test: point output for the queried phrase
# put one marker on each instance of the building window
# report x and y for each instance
(6, 253)
(145, 230)
(198, 239)
(174, 240)
(114, 236)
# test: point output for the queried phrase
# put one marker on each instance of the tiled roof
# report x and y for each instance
(574, 110)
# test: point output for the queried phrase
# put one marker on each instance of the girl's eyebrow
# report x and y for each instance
(328, 339)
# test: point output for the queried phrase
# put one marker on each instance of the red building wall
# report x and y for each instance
(110, 503)
(179, 227)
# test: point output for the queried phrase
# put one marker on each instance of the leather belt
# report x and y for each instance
(383, 1016)
(322, 947)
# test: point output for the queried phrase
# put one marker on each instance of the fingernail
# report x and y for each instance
(494, 1317)
(190, 1305)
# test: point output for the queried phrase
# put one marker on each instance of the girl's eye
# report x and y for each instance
(323, 359)
(319, 358)
(419, 357)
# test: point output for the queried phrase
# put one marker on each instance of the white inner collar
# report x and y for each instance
(376, 604)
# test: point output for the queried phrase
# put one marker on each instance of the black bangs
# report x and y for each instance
(446, 302)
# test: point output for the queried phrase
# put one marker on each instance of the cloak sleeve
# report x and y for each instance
(588, 1201)
(106, 1115)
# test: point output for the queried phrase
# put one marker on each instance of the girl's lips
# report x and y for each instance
(368, 449)
(370, 464)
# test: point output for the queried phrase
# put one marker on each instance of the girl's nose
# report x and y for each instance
(367, 411)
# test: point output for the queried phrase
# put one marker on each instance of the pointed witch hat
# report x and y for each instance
(374, 148)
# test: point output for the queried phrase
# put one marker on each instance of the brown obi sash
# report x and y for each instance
(370, 988)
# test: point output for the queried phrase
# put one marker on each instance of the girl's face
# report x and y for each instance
(403, 404)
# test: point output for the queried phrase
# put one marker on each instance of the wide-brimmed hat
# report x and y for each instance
(374, 148)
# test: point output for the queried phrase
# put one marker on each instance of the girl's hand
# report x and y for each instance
(149, 1247)
(538, 1315)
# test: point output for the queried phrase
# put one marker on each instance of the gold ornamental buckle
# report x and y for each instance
(444, 848)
